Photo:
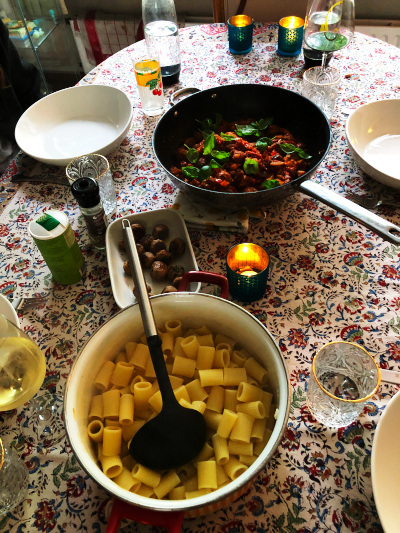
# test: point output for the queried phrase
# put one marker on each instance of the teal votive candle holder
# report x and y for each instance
(290, 36)
(240, 34)
(247, 267)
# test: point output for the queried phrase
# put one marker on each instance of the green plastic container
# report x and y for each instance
(54, 237)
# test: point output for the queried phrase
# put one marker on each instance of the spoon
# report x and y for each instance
(177, 434)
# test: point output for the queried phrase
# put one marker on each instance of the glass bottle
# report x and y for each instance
(160, 25)
(87, 194)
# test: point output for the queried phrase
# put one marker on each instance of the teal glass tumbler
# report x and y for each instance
(240, 34)
(247, 267)
(290, 36)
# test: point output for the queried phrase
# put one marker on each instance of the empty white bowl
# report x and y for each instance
(73, 122)
(373, 135)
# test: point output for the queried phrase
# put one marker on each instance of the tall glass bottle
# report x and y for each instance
(160, 25)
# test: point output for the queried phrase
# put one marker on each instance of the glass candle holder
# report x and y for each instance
(247, 268)
(290, 36)
(240, 34)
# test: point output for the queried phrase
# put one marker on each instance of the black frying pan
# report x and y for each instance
(289, 110)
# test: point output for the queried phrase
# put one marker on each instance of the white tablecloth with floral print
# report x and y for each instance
(330, 278)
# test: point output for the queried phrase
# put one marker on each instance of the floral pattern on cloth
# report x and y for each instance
(330, 278)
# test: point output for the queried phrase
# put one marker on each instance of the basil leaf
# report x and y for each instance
(206, 133)
(263, 143)
(263, 123)
(227, 137)
(205, 172)
(209, 144)
(208, 124)
(192, 154)
(215, 164)
(190, 172)
(289, 148)
(220, 155)
(246, 129)
(270, 184)
(250, 166)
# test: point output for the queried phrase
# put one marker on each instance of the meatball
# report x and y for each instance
(161, 231)
(138, 231)
(127, 268)
(175, 271)
(177, 247)
(157, 245)
(147, 259)
(146, 241)
(147, 287)
(176, 282)
(140, 249)
(158, 271)
(169, 288)
(164, 256)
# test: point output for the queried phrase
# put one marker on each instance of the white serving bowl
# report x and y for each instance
(193, 309)
(75, 121)
(373, 135)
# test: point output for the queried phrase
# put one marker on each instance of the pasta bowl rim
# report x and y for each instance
(94, 471)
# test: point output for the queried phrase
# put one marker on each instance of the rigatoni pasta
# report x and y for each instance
(209, 372)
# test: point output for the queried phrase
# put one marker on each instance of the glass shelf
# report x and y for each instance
(46, 26)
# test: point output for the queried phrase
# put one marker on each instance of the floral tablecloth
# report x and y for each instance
(330, 279)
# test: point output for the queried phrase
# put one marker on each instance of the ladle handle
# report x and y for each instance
(149, 324)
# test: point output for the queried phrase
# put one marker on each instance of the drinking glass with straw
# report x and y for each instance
(329, 26)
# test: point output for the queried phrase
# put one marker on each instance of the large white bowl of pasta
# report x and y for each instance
(246, 403)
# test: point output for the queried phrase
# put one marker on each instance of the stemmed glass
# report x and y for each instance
(22, 372)
(329, 25)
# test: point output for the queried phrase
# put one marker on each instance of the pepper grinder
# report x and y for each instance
(87, 194)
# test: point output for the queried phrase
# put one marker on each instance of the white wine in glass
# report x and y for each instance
(22, 372)
(329, 26)
(22, 366)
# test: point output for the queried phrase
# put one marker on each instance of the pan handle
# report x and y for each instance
(179, 92)
(171, 521)
(205, 277)
(378, 225)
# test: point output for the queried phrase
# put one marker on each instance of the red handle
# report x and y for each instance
(171, 521)
(205, 277)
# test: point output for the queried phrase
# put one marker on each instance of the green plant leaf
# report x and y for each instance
(263, 123)
(246, 129)
(263, 143)
(290, 148)
(192, 154)
(250, 166)
(271, 184)
(209, 144)
(205, 172)
(219, 155)
(190, 172)
(227, 137)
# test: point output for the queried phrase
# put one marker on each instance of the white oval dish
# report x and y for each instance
(373, 136)
(8, 310)
(75, 121)
(385, 466)
(122, 284)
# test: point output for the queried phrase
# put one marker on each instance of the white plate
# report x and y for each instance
(122, 284)
(8, 310)
(373, 135)
(75, 121)
(385, 466)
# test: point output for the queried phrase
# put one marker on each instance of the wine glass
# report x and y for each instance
(329, 26)
(22, 372)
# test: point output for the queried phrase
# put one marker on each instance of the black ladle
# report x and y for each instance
(177, 434)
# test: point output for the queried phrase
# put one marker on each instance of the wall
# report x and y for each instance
(270, 10)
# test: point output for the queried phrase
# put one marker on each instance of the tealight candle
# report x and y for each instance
(240, 34)
(290, 36)
(247, 266)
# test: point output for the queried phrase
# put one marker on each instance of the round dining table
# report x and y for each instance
(330, 279)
